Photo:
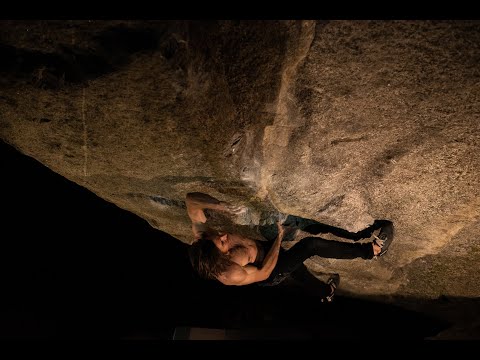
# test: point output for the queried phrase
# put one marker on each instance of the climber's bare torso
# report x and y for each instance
(242, 250)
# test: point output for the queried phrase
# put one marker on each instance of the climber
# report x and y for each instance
(234, 259)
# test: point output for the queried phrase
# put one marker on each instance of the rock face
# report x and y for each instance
(342, 122)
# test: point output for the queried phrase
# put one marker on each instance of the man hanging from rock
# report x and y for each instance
(235, 259)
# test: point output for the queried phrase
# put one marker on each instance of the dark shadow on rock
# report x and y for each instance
(108, 51)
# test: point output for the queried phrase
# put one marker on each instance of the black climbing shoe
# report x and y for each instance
(384, 238)
(334, 282)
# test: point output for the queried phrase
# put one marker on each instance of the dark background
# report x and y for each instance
(76, 266)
